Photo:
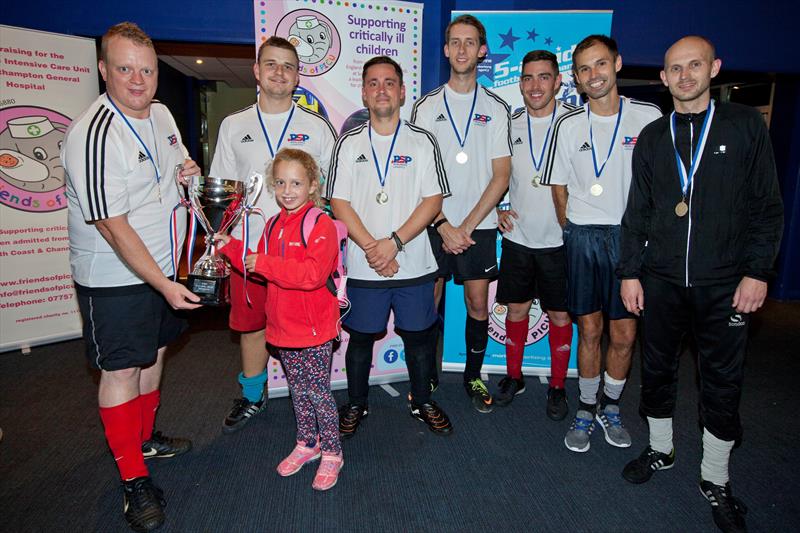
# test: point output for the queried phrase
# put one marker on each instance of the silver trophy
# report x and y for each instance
(218, 204)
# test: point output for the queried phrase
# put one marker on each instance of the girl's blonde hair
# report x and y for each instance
(286, 155)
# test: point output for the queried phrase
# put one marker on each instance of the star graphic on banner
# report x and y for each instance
(508, 39)
(486, 67)
(532, 35)
(548, 41)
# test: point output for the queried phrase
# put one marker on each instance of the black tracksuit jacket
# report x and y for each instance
(735, 218)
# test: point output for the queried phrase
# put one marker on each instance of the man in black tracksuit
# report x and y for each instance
(699, 238)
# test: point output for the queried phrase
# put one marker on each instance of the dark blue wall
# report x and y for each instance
(749, 35)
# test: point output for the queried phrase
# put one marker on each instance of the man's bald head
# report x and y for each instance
(694, 42)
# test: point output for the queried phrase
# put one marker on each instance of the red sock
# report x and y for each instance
(149, 403)
(516, 333)
(123, 424)
(560, 345)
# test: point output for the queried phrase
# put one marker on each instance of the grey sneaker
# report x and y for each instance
(580, 431)
(609, 419)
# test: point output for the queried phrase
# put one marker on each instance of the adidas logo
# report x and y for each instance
(441, 118)
(247, 139)
(518, 141)
(142, 157)
(362, 159)
(584, 147)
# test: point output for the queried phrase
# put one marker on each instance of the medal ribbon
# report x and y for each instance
(266, 135)
(139, 139)
(537, 166)
(469, 117)
(686, 178)
(174, 249)
(382, 177)
(597, 172)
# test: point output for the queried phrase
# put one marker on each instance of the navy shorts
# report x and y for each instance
(479, 261)
(125, 326)
(412, 305)
(527, 273)
(592, 256)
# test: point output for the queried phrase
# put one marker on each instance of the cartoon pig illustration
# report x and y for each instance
(29, 154)
(311, 37)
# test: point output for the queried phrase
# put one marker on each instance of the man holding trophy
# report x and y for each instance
(119, 155)
(247, 142)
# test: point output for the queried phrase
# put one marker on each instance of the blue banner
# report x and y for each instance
(510, 35)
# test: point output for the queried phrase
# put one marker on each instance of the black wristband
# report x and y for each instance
(439, 223)
(397, 242)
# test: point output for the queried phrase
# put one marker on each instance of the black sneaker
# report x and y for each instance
(481, 399)
(241, 413)
(432, 414)
(143, 504)
(161, 447)
(643, 467)
(507, 389)
(557, 408)
(728, 511)
(350, 416)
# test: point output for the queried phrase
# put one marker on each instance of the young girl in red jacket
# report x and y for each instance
(302, 313)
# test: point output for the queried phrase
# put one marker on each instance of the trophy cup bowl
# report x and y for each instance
(218, 204)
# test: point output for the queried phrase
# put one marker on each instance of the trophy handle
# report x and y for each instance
(177, 180)
(253, 187)
(197, 210)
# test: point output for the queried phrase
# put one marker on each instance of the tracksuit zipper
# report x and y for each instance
(691, 197)
(283, 255)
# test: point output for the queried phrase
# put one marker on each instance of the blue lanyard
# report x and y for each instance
(613, 138)
(141, 142)
(469, 117)
(686, 179)
(266, 135)
(537, 166)
(382, 177)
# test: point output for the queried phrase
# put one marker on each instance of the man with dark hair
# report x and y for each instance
(533, 263)
(386, 184)
(699, 239)
(589, 167)
(122, 258)
(472, 125)
(248, 140)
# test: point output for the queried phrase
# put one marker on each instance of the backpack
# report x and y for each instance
(338, 279)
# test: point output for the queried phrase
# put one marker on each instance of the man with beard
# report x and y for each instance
(589, 165)
(533, 263)
(472, 126)
(699, 239)
(248, 140)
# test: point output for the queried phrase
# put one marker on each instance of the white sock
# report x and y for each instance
(716, 454)
(612, 388)
(588, 388)
(660, 434)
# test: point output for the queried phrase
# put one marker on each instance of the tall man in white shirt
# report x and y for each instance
(589, 166)
(248, 140)
(120, 155)
(386, 184)
(533, 263)
(472, 126)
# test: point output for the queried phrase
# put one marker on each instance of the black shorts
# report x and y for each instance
(125, 326)
(479, 261)
(528, 273)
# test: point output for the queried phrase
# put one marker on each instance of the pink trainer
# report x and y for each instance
(294, 461)
(328, 471)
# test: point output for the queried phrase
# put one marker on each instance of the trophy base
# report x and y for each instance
(211, 290)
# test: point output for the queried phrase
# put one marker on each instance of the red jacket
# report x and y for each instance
(301, 311)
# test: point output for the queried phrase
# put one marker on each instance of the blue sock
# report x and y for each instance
(253, 388)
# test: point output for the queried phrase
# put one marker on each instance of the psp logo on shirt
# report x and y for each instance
(481, 120)
(173, 139)
(401, 161)
(297, 138)
(629, 142)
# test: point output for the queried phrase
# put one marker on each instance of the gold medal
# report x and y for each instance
(681, 209)
(536, 181)
(382, 197)
(596, 189)
(462, 158)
